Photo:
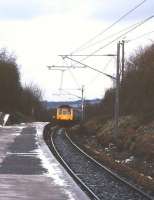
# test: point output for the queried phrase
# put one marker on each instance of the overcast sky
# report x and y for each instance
(39, 30)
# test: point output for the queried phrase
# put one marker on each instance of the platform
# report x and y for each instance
(28, 170)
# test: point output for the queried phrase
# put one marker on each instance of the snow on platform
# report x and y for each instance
(28, 170)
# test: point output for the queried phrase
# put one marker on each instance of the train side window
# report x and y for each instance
(59, 111)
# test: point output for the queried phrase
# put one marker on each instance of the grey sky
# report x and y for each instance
(113, 9)
(101, 9)
(28, 9)
(38, 30)
(19, 9)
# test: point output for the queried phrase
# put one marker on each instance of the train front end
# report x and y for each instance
(64, 115)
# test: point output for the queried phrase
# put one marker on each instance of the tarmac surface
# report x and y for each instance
(28, 170)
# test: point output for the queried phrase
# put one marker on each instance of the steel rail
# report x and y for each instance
(83, 185)
(111, 172)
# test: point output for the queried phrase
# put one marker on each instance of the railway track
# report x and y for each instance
(96, 180)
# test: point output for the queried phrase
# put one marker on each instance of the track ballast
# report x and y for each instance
(95, 179)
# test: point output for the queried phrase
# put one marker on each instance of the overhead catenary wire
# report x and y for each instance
(94, 69)
(109, 27)
(94, 78)
(109, 36)
(122, 35)
(69, 93)
(62, 75)
(140, 36)
(112, 26)
(61, 80)
(74, 78)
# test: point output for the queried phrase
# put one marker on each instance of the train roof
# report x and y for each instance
(64, 106)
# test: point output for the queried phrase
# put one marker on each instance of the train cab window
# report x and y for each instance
(66, 112)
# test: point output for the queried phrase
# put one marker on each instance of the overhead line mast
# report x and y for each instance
(63, 69)
(117, 79)
(123, 59)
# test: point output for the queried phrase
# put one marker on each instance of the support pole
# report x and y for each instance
(116, 111)
(123, 60)
(82, 103)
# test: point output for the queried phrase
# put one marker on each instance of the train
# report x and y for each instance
(66, 114)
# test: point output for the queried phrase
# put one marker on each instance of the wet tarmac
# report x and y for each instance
(29, 171)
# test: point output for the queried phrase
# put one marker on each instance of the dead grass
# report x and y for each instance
(122, 169)
(133, 139)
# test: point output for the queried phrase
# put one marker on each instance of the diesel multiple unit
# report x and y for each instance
(66, 113)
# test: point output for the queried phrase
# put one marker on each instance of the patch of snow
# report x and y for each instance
(70, 195)
(106, 149)
(130, 159)
(54, 172)
(5, 119)
(21, 154)
(52, 166)
(15, 127)
(16, 134)
(149, 177)
(22, 123)
(117, 161)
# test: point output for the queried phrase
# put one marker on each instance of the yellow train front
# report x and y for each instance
(67, 115)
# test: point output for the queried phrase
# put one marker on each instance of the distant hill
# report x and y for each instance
(55, 104)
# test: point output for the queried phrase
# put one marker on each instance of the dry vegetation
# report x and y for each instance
(23, 103)
(132, 156)
(132, 152)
